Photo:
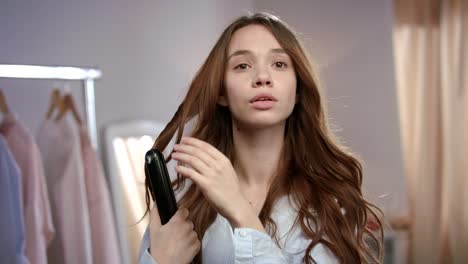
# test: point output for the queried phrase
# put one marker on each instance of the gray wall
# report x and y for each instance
(150, 50)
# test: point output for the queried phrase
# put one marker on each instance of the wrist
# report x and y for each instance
(245, 217)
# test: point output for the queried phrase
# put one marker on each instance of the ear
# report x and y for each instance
(222, 100)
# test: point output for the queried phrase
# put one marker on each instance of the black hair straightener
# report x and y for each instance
(160, 184)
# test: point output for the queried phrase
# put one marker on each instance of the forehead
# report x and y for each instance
(253, 37)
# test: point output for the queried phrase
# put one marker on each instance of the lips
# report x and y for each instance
(263, 97)
(263, 101)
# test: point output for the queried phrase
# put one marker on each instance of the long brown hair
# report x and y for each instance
(321, 177)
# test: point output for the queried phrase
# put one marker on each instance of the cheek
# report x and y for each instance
(289, 83)
(234, 88)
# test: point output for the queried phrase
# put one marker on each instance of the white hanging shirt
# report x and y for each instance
(60, 147)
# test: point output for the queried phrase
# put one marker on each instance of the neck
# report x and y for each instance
(256, 153)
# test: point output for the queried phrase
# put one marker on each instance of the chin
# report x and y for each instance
(262, 123)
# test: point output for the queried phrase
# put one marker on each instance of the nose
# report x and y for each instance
(262, 78)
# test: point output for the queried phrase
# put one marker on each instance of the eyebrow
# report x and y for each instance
(248, 52)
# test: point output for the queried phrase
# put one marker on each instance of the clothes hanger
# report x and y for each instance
(55, 102)
(3, 104)
(4, 110)
(68, 104)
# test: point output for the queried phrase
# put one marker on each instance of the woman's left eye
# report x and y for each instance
(280, 64)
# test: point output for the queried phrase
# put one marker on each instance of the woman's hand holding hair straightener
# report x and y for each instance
(176, 241)
(214, 174)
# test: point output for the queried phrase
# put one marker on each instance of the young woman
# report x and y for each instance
(266, 181)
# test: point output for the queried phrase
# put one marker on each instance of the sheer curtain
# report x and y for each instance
(431, 56)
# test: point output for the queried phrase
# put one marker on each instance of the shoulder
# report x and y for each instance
(292, 238)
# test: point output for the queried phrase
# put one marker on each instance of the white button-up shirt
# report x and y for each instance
(245, 245)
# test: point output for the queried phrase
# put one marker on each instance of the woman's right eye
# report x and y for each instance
(242, 66)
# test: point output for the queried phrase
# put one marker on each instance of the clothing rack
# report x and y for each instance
(85, 75)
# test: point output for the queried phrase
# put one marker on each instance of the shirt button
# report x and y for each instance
(242, 233)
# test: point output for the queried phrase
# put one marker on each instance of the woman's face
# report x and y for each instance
(260, 80)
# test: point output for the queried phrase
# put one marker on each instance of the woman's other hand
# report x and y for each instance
(214, 174)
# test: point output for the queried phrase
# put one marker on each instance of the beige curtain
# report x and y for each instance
(431, 58)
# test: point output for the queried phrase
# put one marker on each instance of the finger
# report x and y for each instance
(191, 160)
(191, 225)
(208, 148)
(195, 151)
(192, 237)
(195, 246)
(155, 220)
(180, 215)
(191, 174)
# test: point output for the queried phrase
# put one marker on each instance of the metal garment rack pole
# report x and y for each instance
(85, 75)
